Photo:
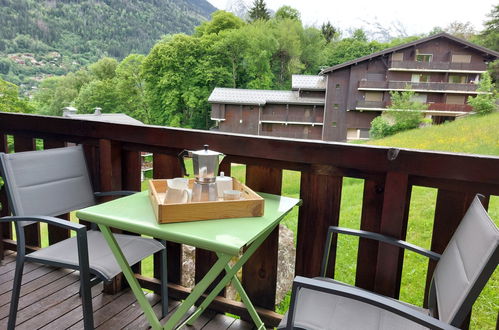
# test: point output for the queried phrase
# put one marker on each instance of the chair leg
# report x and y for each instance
(164, 281)
(86, 295)
(16, 290)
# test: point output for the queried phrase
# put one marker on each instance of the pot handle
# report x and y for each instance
(181, 155)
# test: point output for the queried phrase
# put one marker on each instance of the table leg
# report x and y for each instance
(132, 281)
(231, 275)
(196, 293)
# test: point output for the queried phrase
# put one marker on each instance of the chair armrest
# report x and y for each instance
(114, 193)
(365, 297)
(50, 220)
(385, 239)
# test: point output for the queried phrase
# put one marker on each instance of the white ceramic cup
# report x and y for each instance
(232, 195)
(178, 191)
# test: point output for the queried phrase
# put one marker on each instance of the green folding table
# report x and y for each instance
(228, 238)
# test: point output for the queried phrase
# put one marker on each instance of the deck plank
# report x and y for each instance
(39, 294)
(50, 300)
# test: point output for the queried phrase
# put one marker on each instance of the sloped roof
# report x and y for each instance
(117, 118)
(259, 97)
(308, 82)
(487, 51)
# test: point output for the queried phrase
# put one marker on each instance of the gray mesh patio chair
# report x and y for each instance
(462, 271)
(43, 184)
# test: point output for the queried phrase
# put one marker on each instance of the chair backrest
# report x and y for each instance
(466, 264)
(47, 182)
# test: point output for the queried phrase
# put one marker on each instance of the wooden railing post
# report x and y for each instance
(321, 195)
(110, 179)
(372, 206)
(164, 167)
(393, 223)
(260, 271)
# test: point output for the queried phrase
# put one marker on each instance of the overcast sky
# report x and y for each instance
(417, 17)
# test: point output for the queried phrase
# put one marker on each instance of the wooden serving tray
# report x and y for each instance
(252, 205)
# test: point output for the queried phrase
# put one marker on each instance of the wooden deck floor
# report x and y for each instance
(49, 300)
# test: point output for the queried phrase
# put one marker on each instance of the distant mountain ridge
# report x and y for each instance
(85, 30)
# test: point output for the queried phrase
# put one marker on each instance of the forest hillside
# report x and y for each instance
(40, 38)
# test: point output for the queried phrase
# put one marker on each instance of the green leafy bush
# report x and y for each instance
(404, 113)
(380, 127)
(485, 102)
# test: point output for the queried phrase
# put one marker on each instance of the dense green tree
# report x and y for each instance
(130, 89)
(485, 102)
(287, 58)
(98, 93)
(220, 21)
(259, 11)
(329, 32)
(103, 69)
(490, 36)
(171, 73)
(258, 56)
(287, 12)
(9, 99)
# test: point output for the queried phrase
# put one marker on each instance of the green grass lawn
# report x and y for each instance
(478, 135)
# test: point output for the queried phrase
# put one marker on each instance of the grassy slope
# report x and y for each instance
(476, 135)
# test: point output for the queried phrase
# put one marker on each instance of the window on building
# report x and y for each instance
(397, 57)
(338, 86)
(357, 133)
(364, 133)
(336, 106)
(420, 77)
(419, 97)
(424, 57)
(461, 58)
(352, 134)
(374, 96)
(457, 79)
(333, 124)
(455, 99)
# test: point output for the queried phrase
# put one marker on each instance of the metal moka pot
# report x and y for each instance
(205, 163)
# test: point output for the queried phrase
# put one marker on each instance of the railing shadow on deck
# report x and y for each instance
(389, 175)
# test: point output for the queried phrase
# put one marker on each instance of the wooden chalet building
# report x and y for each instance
(341, 101)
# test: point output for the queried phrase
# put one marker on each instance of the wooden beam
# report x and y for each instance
(321, 195)
(393, 223)
(372, 206)
(260, 271)
(164, 167)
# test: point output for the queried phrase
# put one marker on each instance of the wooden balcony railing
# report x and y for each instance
(426, 86)
(439, 66)
(450, 107)
(371, 104)
(113, 153)
(432, 86)
(431, 106)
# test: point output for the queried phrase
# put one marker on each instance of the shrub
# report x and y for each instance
(484, 103)
(404, 113)
(380, 127)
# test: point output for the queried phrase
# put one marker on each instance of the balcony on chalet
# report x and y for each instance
(427, 87)
(441, 108)
(389, 179)
(437, 67)
(293, 116)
